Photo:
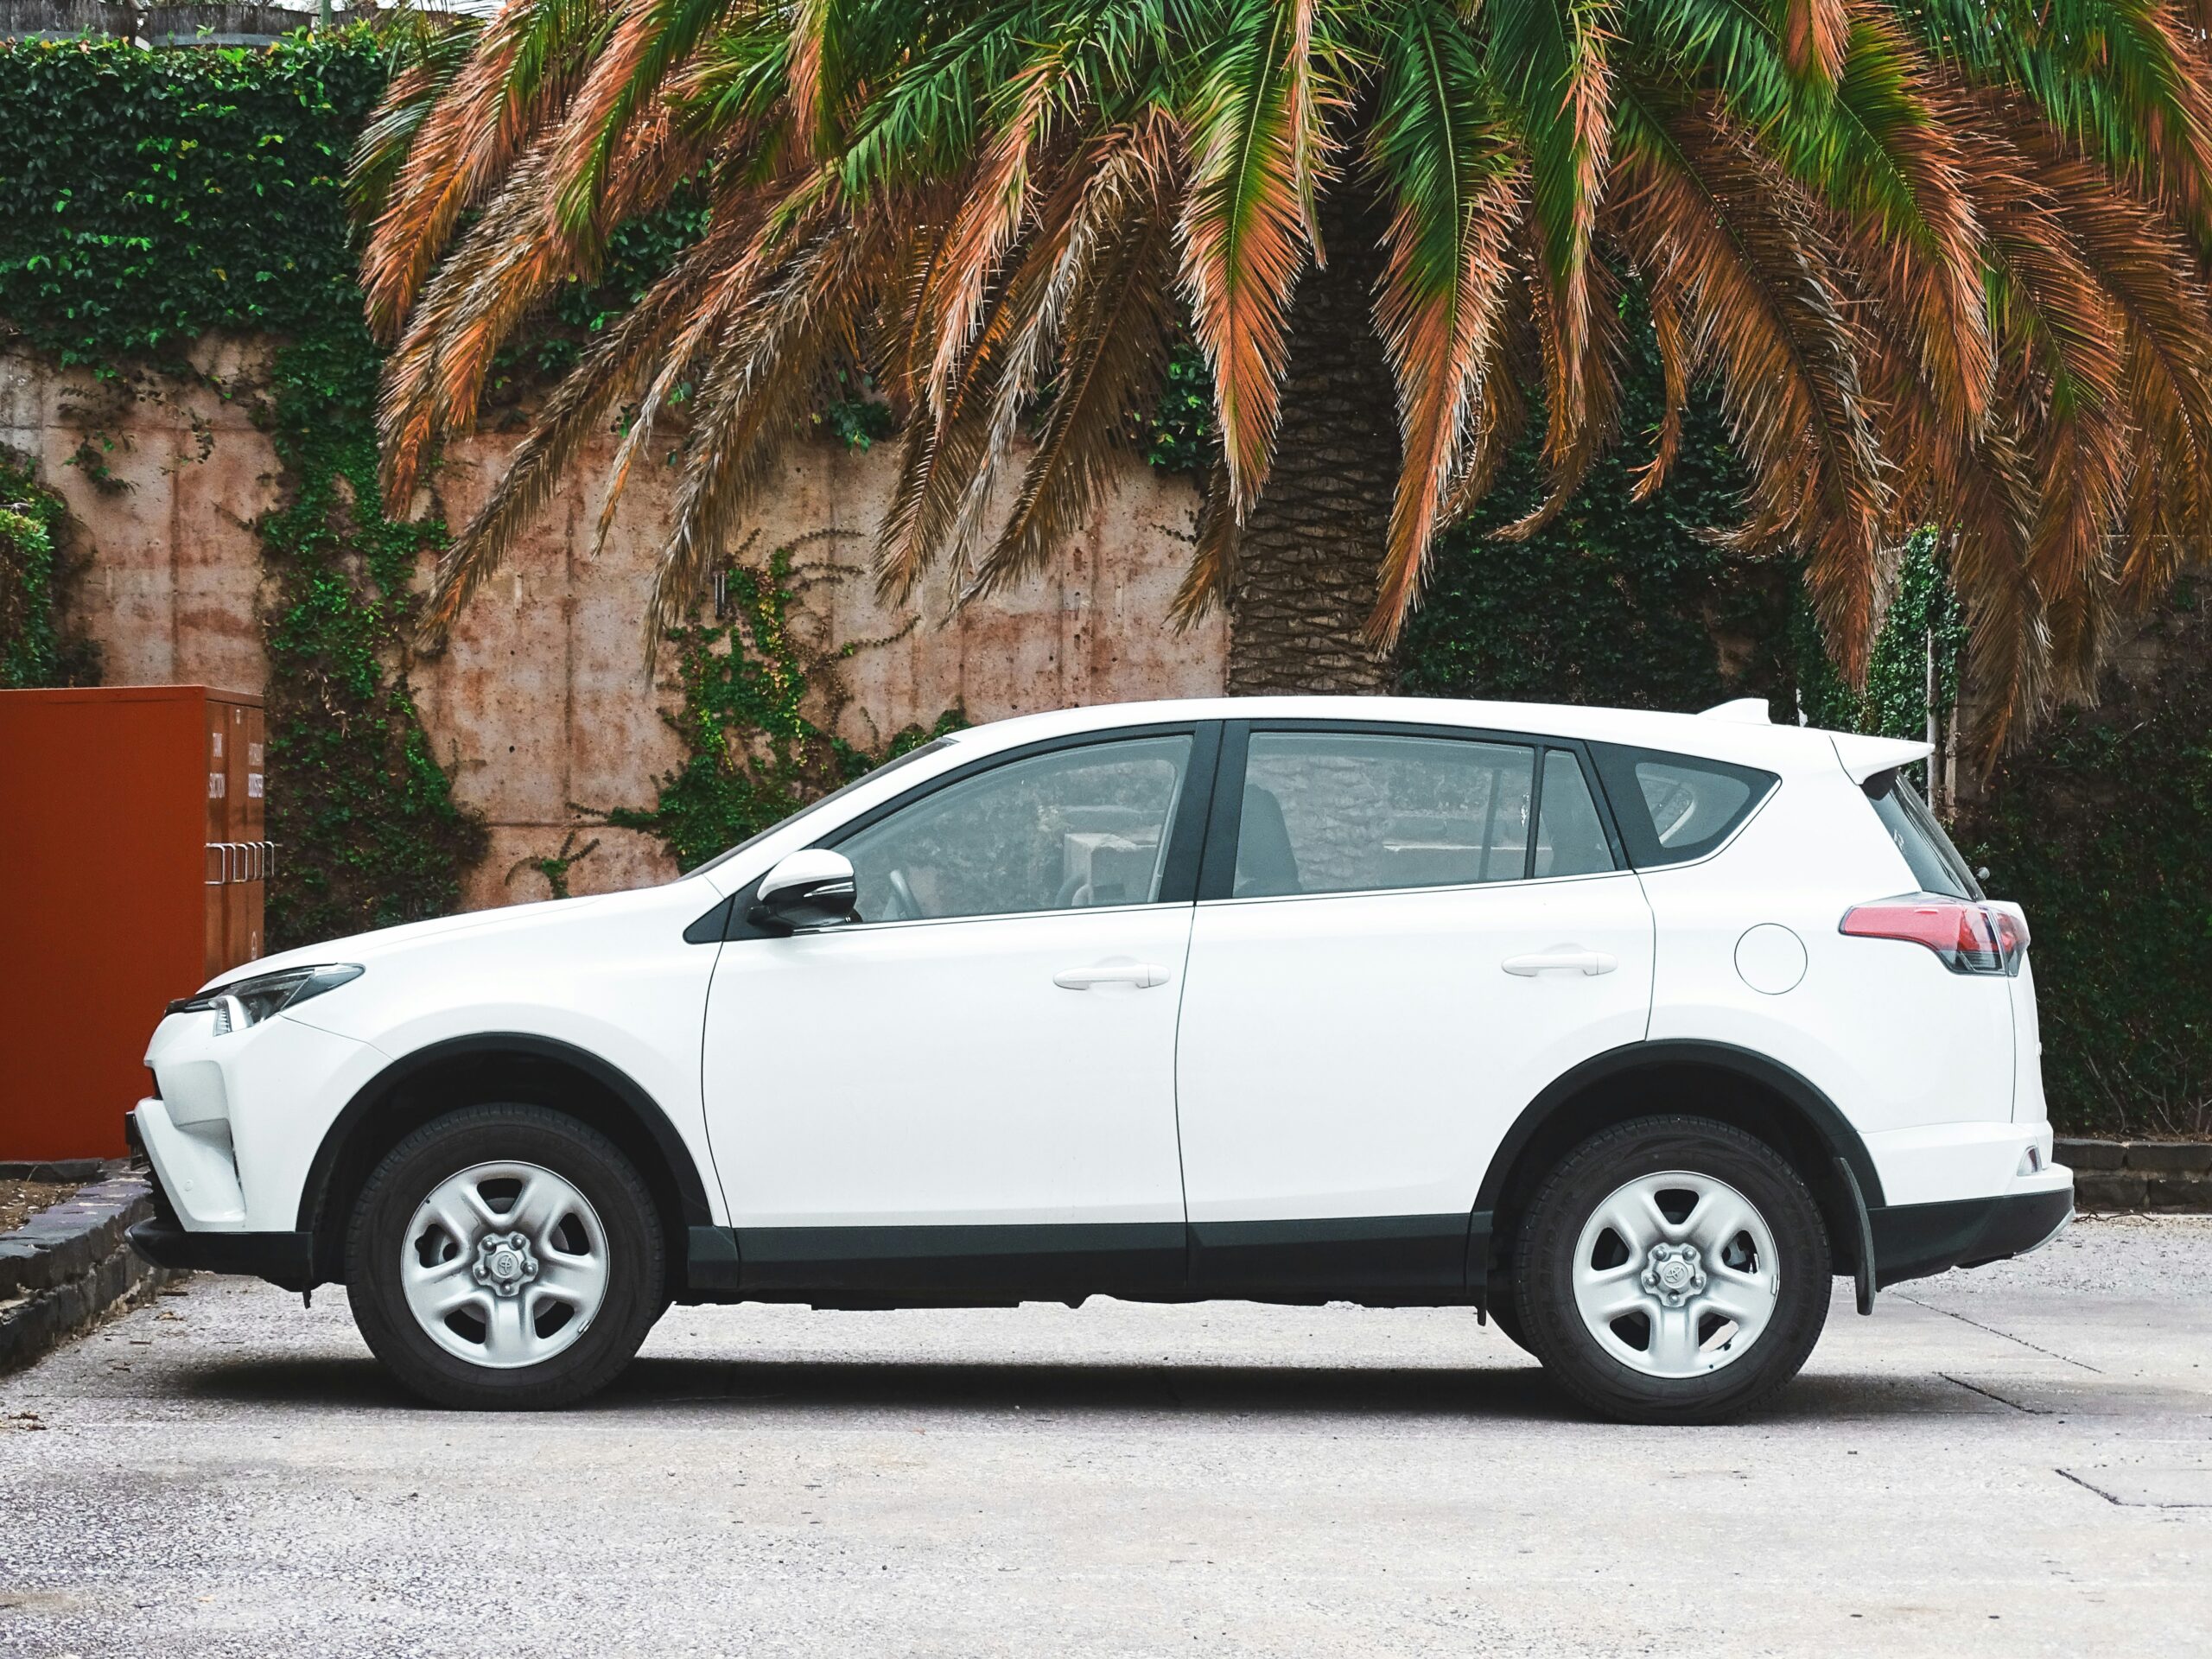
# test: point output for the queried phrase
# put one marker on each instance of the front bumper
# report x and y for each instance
(1912, 1241)
(286, 1259)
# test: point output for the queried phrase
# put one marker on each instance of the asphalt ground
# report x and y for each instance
(2009, 1462)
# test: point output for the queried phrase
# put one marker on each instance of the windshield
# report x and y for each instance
(1935, 863)
(808, 810)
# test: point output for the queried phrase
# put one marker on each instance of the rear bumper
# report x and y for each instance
(1912, 1241)
(282, 1258)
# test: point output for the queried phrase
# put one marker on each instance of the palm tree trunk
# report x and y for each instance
(1306, 562)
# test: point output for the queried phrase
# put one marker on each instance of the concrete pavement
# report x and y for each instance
(2013, 1462)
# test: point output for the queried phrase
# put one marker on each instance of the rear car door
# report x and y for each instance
(1386, 966)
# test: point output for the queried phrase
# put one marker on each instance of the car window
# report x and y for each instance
(1355, 812)
(1672, 808)
(1064, 830)
(1570, 838)
(1937, 865)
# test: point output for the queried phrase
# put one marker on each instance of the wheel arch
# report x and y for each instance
(1729, 1084)
(516, 1065)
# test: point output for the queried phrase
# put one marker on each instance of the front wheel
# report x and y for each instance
(504, 1256)
(1673, 1271)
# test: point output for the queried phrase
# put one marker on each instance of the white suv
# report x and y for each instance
(1627, 1029)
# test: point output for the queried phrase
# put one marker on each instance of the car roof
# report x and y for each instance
(1737, 732)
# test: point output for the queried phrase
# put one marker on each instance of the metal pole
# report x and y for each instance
(1933, 744)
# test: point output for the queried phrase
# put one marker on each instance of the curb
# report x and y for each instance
(2170, 1176)
(76, 1171)
(69, 1267)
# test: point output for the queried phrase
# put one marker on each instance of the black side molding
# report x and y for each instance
(1423, 1255)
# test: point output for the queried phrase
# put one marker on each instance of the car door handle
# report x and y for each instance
(1142, 975)
(1559, 962)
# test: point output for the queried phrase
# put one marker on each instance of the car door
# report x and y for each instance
(1386, 966)
(973, 1084)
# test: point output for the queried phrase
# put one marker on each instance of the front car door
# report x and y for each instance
(973, 1085)
(1386, 967)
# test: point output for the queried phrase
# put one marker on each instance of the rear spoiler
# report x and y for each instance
(1863, 757)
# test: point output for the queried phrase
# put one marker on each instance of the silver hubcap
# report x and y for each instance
(505, 1265)
(1675, 1275)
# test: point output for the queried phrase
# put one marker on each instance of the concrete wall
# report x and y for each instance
(541, 698)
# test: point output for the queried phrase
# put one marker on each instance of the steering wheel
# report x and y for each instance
(902, 907)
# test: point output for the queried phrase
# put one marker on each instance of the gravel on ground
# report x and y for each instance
(2006, 1463)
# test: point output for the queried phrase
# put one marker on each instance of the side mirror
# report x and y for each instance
(813, 887)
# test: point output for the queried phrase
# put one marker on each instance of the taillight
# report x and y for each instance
(1970, 937)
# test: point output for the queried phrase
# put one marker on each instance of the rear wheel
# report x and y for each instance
(1505, 1313)
(504, 1256)
(1673, 1271)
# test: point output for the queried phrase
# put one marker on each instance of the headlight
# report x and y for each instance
(247, 1002)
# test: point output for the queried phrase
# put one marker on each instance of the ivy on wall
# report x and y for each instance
(148, 198)
(2103, 833)
(356, 793)
(36, 647)
(761, 701)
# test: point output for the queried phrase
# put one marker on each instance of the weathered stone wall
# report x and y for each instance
(542, 699)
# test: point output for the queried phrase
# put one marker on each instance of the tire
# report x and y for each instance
(544, 1312)
(1721, 1226)
(1504, 1313)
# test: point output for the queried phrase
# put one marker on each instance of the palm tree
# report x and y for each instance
(1942, 262)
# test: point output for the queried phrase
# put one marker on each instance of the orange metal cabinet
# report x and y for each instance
(137, 861)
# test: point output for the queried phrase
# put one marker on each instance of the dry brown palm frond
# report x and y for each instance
(410, 413)
(1116, 348)
(1438, 342)
(2169, 488)
(1243, 236)
(1763, 305)
(1206, 581)
(1677, 369)
(1018, 347)
(1101, 188)
(2068, 334)
(1308, 109)
(919, 254)
(516, 80)
(575, 416)
(2156, 288)
(758, 241)
(1500, 415)
(2080, 464)
(759, 391)
(803, 78)
(1582, 405)
(616, 118)
(985, 228)
(1920, 264)
(1989, 499)
(504, 266)
(1816, 36)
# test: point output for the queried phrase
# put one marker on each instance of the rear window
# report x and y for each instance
(1937, 865)
(1672, 808)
